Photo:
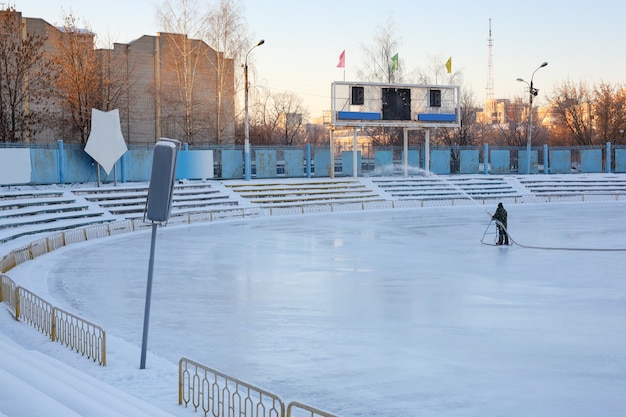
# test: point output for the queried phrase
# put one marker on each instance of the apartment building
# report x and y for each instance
(167, 85)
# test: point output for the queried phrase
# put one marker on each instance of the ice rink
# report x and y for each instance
(378, 313)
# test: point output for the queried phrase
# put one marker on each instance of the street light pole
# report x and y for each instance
(246, 145)
(533, 92)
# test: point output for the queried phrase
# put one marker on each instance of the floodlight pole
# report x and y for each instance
(246, 146)
(533, 92)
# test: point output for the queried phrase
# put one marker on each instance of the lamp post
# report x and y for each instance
(246, 145)
(533, 92)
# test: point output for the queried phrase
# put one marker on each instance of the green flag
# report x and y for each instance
(394, 62)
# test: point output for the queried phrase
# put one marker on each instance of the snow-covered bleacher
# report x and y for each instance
(449, 188)
(564, 185)
(29, 211)
(34, 384)
(129, 201)
(288, 193)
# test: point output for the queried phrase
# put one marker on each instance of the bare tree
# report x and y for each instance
(378, 65)
(289, 115)
(462, 135)
(78, 77)
(609, 116)
(278, 119)
(317, 135)
(24, 79)
(226, 34)
(184, 22)
(200, 93)
(436, 73)
(572, 105)
(116, 70)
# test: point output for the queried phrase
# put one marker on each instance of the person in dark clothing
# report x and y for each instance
(500, 217)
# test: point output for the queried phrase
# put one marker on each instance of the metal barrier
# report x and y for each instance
(35, 311)
(296, 409)
(223, 396)
(68, 329)
(79, 335)
(220, 395)
(8, 293)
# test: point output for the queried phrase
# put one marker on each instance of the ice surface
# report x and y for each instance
(378, 313)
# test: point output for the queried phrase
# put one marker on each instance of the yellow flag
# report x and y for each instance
(449, 65)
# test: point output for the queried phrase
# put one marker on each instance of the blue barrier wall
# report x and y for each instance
(500, 162)
(440, 161)
(591, 160)
(294, 163)
(470, 163)
(560, 162)
(195, 165)
(413, 158)
(522, 162)
(70, 164)
(322, 163)
(232, 164)
(383, 162)
(78, 167)
(44, 166)
(265, 163)
(347, 163)
(620, 160)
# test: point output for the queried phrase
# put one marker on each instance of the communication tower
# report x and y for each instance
(490, 102)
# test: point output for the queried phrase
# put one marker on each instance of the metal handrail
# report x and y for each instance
(222, 395)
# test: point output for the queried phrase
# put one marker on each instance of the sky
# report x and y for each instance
(303, 40)
(378, 313)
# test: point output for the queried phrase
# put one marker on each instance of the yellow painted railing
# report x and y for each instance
(298, 409)
(68, 329)
(216, 394)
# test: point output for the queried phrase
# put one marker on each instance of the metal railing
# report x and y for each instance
(219, 395)
(35, 311)
(296, 409)
(68, 329)
(8, 295)
(79, 335)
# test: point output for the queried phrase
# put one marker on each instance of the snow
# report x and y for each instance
(383, 312)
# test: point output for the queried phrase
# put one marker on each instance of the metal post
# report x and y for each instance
(608, 158)
(545, 159)
(405, 154)
(332, 153)
(61, 160)
(146, 315)
(308, 160)
(427, 152)
(530, 127)
(355, 168)
(246, 145)
(486, 159)
(532, 93)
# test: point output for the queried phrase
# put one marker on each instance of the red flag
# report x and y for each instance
(342, 60)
